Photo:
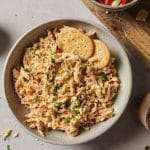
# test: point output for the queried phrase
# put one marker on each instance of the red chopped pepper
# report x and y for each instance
(124, 2)
(108, 2)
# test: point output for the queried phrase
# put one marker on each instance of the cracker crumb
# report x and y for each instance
(15, 135)
(107, 12)
(37, 139)
(91, 34)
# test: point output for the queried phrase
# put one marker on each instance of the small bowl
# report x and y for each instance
(124, 71)
(115, 8)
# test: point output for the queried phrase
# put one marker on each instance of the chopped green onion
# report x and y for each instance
(24, 80)
(36, 99)
(75, 111)
(8, 147)
(26, 69)
(80, 91)
(81, 65)
(57, 104)
(50, 50)
(55, 93)
(55, 88)
(67, 119)
(103, 75)
(39, 55)
(64, 70)
(52, 60)
(45, 116)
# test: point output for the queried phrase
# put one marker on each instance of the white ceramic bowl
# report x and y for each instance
(15, 57)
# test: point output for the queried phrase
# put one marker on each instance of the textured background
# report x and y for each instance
(18, 16)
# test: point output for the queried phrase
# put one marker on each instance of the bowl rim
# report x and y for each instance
(92, 23)
(109, 7)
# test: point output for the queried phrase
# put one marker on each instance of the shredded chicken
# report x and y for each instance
(62, 92)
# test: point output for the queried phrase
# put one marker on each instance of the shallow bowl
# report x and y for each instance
(124, 70)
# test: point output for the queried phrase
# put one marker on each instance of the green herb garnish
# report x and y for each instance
(55, 88)
(45, 116)
(55, 93)
(36, 99)
(67, 119)
(26, 69)
(81, 65)
(57, 104)
(50, 50)
(39, 55)
(24, 80)
(75, 111)
(64, 70)
(8, 147)
(52, 60)
(103, 75)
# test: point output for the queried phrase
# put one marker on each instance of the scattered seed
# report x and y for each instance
(15, 135)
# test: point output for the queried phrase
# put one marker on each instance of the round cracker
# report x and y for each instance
(74, 41)
(66, 29)
(102, 53)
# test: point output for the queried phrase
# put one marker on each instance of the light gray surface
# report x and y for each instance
(16, 17)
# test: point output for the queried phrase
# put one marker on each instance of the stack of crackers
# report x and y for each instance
(88, 48)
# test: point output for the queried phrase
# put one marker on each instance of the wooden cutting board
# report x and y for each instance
(133, 34)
